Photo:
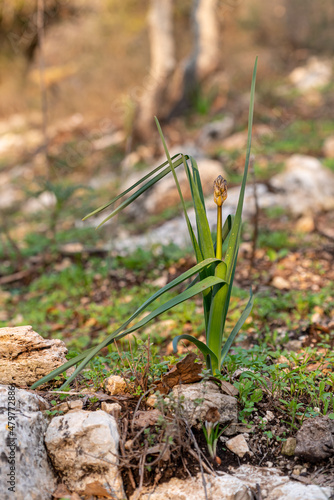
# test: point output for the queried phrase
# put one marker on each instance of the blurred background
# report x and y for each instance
(80, 83)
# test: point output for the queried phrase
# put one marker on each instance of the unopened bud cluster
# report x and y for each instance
(220, 190)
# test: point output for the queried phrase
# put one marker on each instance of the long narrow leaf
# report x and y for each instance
(205, 350)
(177, 281)
(232, 250)
(217, 316)
(187, 294)
(139, 192)
(237, 327)
(143, 179)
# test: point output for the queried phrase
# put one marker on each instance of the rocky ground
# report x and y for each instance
(109, 436)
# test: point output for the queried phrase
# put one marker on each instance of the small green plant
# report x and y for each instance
(213, 274)
(211, 431)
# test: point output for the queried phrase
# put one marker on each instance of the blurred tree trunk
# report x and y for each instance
(171, 89)
(204, 59)
(162, 48)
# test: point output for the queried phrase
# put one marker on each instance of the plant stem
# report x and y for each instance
(219, 250)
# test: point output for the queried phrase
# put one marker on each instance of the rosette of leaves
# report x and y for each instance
(212, 275)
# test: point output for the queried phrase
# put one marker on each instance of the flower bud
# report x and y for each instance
(220, 190)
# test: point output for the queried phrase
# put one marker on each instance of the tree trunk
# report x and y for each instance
(162, 47)
(204, 59)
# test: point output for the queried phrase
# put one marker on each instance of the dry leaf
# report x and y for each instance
(185, 371)
(62, 492)
(229, 389)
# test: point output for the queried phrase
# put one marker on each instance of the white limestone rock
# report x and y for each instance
(308, 187)
(83, 448)
(34, 477)
(239, 485)
(224, 487)
(238, 445)
(211, 397)
(25, 356)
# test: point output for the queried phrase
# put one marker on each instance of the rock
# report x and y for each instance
(305, 224)
(235, 141)
(224, 487)
(238, 445)
(211, 397)
(152, 401)
(289, 446)
(238, 141)
(328, 147)
(25, 356)
(316, 74)
(75, 405)
(315, 439)
(146, 418)
(83, 448)
(275, 486)
(280, 283)
(307, 185)
(216, 130)
(113, 409)
(45, 200)
(115, 385)
(239, 486)
(34, 478)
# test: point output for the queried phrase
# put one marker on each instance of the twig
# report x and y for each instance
(121, 445)
(264, 456)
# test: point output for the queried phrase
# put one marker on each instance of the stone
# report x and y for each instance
(211, 397)
(111, 408)
(152, 401)
(75, 405)
(34, 478)
(216, 130)
(45, 200)
(238, 445)
(144, 419)
(223, 487)
(280, 283)
(25, 356)
(115, 385)
(239, 486)
(308, 186)
(328, 147)
(305, 224)
(288, 447)
(83, 448)
(315, 439)
(315, 74)
(275, 486)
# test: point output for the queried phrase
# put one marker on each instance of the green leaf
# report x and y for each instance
(237, 327)
(187, 294)
(180, 279)
(157, 169)
(205, 350)
(233, 246)
(217, 319)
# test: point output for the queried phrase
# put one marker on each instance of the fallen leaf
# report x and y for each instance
(229, 389)
(185, 371)
(62, 492)
(95, 488)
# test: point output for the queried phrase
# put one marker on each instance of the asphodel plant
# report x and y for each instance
(213, 274)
